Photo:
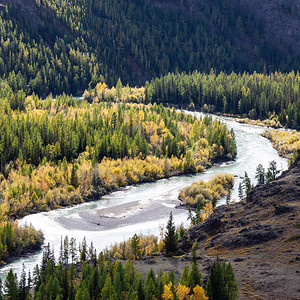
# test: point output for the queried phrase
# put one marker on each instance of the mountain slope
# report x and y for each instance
(261, 236)
(65, 46)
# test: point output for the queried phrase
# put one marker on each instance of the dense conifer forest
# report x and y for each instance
(275, 96)
(65, 46)
(96, 277)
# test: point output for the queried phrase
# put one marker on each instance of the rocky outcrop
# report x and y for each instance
(259, 235)
(259, 218)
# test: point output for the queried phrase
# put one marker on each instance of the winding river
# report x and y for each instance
(143, 208)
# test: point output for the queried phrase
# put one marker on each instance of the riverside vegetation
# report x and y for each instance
(64, 151)
(80, 274)
(60, 152)
(272, 96)
(94, 277)
(287, 143)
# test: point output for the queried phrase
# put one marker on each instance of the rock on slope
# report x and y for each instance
(260, 236)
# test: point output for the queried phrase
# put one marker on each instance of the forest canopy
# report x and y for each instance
(67, 46)
(65, 151)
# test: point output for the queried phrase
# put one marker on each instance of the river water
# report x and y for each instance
(144, 208)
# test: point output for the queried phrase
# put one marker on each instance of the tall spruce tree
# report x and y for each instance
(171, 239)
(136, 246)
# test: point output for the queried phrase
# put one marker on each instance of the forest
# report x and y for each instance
(79, 273)
(16, 240)
(274, 96)
(50, 46)
(95, 277)
(60, 152)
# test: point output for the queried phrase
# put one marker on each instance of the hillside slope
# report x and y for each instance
(260, 236)
(281, 20)
(66, 46)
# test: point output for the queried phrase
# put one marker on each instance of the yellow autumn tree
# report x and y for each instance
(182, 292)
(168, 294)
(198, 293)
(207, 211)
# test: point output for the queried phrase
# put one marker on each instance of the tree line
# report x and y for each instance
(98, 277)
(257, 95)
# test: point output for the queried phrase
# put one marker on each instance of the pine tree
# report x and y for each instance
(108, 291)
(135, 244)
(194, 277)
(230, 283)
(184, 279)
(171, 239)
(247, 183)
(194, 249)
(22, 284)
(260, 174)
(221, 284)
(1, 289)
(119, 87)
(73, 249)
(11, 286)
(272, 171)
(241, 192)
(66, 250)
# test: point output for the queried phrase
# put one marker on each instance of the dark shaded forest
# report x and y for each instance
(67, 46)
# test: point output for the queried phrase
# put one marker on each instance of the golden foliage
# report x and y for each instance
(149, 244)
(285, 142)
(198, 293)
(168, 294)
(182, 292)
(201, 191)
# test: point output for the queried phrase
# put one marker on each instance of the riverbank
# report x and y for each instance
(285, 142)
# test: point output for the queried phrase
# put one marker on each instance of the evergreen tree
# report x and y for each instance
(247, 183)
(194, 277)
(66, 250)
(82, 293)
(74, 178)
(11, 286)
(170, 239)
(241, 191)
(108, 291)
(230, 283)
(184, 279)
(23, 290)
(260, 174)
(119, 87)
(1, 289)
(194, 250)
(136, 246)
(272, 171)
(73, 249)
(221, 284)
